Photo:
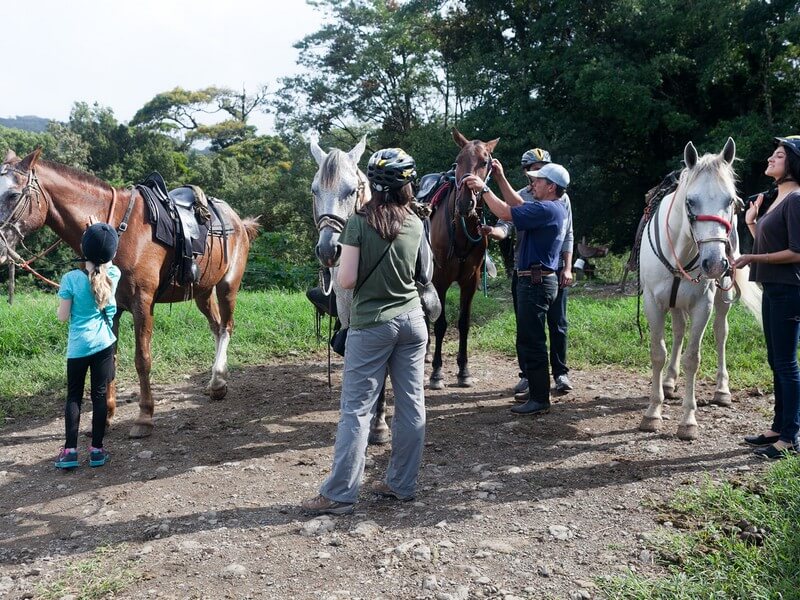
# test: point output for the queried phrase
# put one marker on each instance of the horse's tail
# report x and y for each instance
(251, 226)
(749, 292)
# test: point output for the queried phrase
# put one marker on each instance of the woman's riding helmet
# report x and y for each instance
(390, 169)
(99, 243)
(792, 142)
(535, 155)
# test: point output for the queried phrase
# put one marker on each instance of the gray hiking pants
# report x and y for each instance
(399, 347)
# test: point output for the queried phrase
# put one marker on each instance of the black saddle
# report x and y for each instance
(182, 220)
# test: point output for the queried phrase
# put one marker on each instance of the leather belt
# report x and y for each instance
(542, 271)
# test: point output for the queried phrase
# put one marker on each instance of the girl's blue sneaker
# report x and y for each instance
(98, 456)
(67, 459)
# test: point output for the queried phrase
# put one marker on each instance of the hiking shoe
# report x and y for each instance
(563, 384)
(67, 459)
(522, 396)
(320, 505)
(522, 385)
(532, 407)
(98, 456)
(772, 453)
(383, 490)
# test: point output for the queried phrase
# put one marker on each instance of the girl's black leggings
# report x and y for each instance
(101, 365)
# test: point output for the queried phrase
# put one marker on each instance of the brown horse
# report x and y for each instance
(459, 249)
(35, 192)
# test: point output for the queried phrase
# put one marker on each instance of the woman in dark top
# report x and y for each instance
(380, 245)
(775, 264)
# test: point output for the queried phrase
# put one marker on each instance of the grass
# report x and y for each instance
(275, 324)
(103, 575)
(714, 559)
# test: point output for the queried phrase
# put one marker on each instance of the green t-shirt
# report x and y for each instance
(390, 290)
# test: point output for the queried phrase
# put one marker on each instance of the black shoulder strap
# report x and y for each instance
(372, 270)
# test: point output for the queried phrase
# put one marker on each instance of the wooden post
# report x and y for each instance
(12, 271)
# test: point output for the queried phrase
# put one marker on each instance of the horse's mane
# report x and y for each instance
(330, 169)
(73, 173)
(710, 164)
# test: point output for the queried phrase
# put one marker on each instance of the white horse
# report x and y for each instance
(687, 251)
(339, 189)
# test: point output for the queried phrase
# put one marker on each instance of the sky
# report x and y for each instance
(121, 53)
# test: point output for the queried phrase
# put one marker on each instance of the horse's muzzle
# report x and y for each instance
(328, 249)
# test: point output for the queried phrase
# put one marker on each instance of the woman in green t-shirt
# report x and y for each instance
(380, 244)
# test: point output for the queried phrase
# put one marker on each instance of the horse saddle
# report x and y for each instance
(182, 219)
(427, 185)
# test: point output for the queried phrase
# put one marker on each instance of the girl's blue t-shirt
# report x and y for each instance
(88, 331)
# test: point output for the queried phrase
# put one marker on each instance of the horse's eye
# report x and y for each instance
(691, 202)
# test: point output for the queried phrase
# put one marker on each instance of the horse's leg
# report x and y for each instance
(464, 314)
(439, 328)
(687, 428)
(670, 381)
(722, 395)
(143, 330)
(379, 432)
(217, 386)
(656, 319)
(111, 388)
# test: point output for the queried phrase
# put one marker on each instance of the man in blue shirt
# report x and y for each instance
(542, 222)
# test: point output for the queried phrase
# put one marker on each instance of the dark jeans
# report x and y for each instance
(780, 311)
(534, 301)
(101, 365)
(557, 328)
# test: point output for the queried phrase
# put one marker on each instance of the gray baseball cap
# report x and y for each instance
(552, 172)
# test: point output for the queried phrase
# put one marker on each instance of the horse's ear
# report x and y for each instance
(358, 150)
(491, 145)
(317, 152)
(29, 161)
(10, 155)
(459, 138)
(729, 151)
(690, 155)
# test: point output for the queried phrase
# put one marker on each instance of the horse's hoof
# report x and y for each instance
(722, 399)
(141, 430)
(466, 381)
(651, 424)
(379, 437)
(671, 393)
(687, 432)
(436, 384)
(219, 392)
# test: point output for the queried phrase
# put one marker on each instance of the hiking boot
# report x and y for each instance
(98, 456)
(532, 407)
(522, 385)
(320, 505)
(563, 384)
(67, 459)
(383, 490)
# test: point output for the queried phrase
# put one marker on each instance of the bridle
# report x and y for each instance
(333, 221)
(31, 189)
(474, 209)
(693, 218)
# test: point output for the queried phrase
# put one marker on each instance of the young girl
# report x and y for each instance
(87, 301)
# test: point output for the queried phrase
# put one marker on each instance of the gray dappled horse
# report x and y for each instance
(687, 251)
(339, 189)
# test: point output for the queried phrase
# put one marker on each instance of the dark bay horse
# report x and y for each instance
(459, 249)
(36, 193)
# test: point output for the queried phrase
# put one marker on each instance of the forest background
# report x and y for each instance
(614, 89)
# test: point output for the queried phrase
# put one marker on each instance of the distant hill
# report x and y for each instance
(26, 123)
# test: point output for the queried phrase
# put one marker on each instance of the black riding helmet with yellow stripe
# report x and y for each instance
(390, 169)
